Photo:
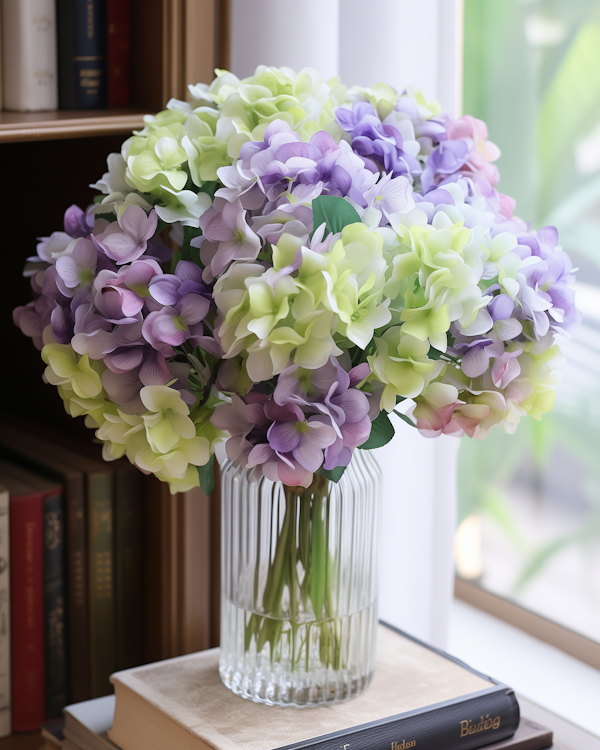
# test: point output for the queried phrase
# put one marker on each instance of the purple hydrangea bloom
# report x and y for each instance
(284, 166)
(305, 438)
(226, 237)
(78, 223)
(447, 159)
(330, 392)
(172, 325)
(379, 143)
(127, 239)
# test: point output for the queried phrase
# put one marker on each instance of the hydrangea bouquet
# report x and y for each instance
(282, 261)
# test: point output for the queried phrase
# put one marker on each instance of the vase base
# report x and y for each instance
(311, 663)
(261, 689)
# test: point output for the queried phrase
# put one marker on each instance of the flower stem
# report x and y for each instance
(302, 563)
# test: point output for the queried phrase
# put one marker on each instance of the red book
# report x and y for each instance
(118, 53)
(26, 604)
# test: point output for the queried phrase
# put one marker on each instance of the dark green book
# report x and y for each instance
(101, 580)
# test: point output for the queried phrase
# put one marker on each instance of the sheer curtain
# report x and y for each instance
(398, 42)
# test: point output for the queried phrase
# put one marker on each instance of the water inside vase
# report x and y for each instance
(278, 662)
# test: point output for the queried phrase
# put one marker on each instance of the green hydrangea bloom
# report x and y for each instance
(432, 279)
(76, 374)
(165, 440)
(277, 317)
(155, 160)
(402, 365)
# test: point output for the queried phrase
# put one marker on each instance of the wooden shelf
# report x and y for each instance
(48, 126)
(28, 741)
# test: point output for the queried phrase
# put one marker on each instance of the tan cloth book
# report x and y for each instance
(181, 704)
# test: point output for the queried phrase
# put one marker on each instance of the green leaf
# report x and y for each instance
(334, 474)
(187, 251)
(382, 431)
(436, 353)
(404, 418)
(336, 212)
(210, 188)
(206, 474)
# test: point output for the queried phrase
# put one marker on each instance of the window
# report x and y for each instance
(529, 503)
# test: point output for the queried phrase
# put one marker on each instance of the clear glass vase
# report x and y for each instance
(299, 585)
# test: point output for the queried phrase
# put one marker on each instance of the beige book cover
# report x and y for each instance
(29, 62)
(181, 703)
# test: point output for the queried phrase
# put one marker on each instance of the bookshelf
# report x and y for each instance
(49, 159)
(16, 127)
(28, 741)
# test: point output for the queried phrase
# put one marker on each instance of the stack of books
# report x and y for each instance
(419, 698)
(101, 569)
(68, 54)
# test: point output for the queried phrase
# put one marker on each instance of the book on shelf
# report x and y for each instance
(82, 80)
(104, 536)
(29, 62)
(118, 52)
(88, 724)
(5, 718)
(26, 603)
(53, 560)
(419, 697)
(52, 734)
(22, 443)
(178, 572)
(1, 72)
(97, 567)
(115, 553)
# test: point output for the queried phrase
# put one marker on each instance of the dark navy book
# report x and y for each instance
(463, 722)
(82, 67)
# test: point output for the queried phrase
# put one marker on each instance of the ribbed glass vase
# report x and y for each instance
(299, 585)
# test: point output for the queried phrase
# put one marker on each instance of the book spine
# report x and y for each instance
(90, 54)
(29, 55)
(101, 582)
(194, 571)
(27, 612)
(1, 73)
(5, 723)
(77, 609)
(66, 53)
(160, 570)
(128, 568)
(455, 725)
(118, 52)
(55, 607)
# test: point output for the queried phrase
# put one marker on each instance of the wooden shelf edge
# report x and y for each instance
(48, 130)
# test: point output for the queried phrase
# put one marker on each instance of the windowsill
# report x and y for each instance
(554, 688)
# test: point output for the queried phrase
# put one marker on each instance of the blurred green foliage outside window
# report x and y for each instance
(529, 504)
